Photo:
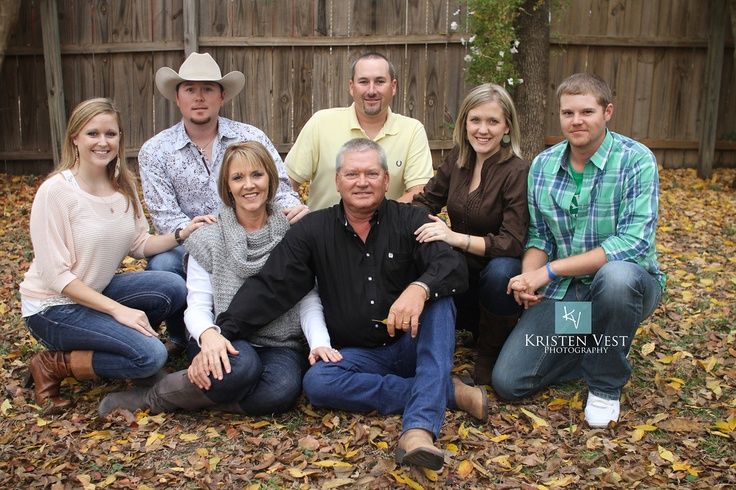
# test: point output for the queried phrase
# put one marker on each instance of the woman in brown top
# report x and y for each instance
(483, 183)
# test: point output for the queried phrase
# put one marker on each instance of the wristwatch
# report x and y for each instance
(177, 236)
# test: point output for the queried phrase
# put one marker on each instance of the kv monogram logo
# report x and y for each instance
(573, 317)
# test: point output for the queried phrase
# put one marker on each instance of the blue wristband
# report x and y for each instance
(550, 273)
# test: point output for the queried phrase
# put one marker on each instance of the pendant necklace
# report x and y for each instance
(108, 202)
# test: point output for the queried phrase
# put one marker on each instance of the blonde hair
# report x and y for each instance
(488, 92)
(586, 84)
(255, 154)
(118, 172)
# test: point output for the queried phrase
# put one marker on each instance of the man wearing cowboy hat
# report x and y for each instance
(179, 166)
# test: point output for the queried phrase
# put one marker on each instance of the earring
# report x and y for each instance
(506, 140)
(76, 155)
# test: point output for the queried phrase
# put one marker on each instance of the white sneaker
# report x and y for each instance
(599, 411)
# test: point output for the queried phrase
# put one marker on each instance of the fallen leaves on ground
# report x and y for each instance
(677, 426)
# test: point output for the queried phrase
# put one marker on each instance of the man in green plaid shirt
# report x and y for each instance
(593, 203)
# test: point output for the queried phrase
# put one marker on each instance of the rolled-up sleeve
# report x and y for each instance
(637, 214)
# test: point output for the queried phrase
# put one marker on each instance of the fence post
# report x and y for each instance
(713, 72)
(54, 80)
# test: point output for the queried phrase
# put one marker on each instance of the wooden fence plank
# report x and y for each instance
(302, 88)
(716, 34)
(322, 79)
(642, 93)
(54, 82)
(341, 21)
(342, 59)
(303, 13)
(433, 109)
(9, 111)
(165, 112)
(396, 55)
(415, 84)
(167, 21)
(390, 17)
(283, 92)
(214, 18)
(191, 29)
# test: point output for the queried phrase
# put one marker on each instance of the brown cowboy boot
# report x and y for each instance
(471, 400)
(416, 448)
(49, 368)
(493, 330)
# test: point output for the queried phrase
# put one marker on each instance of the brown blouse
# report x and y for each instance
(496, 210)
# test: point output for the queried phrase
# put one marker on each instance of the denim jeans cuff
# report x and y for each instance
(431, 430)
(606, 396)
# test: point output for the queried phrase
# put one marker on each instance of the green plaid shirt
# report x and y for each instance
(617, 206)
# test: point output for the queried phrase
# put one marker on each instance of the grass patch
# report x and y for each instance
(716, 447)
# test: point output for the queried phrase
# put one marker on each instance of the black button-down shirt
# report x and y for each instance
(358, 282)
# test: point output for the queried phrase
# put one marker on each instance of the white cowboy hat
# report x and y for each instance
(198, 68)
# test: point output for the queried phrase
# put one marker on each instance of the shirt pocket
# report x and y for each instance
(398, 270)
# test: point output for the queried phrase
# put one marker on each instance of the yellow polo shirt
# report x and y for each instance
(313, 155)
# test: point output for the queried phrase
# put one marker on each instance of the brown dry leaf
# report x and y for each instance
(309, 442)
(337, 483)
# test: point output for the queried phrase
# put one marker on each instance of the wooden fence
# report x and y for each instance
(296, 53)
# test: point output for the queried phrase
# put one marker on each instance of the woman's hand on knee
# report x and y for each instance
(325, 354)
(135, 319)
(215, 349)
(198, 373)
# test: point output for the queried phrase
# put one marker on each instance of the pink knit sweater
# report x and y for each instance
(77, 235)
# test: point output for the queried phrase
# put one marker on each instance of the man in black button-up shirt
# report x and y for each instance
(386, 306)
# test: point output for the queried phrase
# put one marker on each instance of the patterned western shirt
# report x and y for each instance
(179, 185)
(617, 206)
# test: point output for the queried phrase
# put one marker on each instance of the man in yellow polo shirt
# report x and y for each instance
(372, 85)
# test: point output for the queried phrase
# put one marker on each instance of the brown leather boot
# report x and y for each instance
(49, 368)
(416, 448)
(173, 392)
(471, 400)
(493, 330)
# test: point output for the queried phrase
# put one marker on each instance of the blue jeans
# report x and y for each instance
(622, 295)
(262, 380)
(410, 376)
(492, 283)
(119, 351)
(487, 288)
(172, 261)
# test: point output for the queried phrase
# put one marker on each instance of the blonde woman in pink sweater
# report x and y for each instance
(86, 218)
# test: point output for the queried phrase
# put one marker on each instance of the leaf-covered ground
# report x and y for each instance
(677, 427)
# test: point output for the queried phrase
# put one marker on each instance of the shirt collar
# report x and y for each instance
(182, 139)
(389, 127)
(599, 158)
(376, 218)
